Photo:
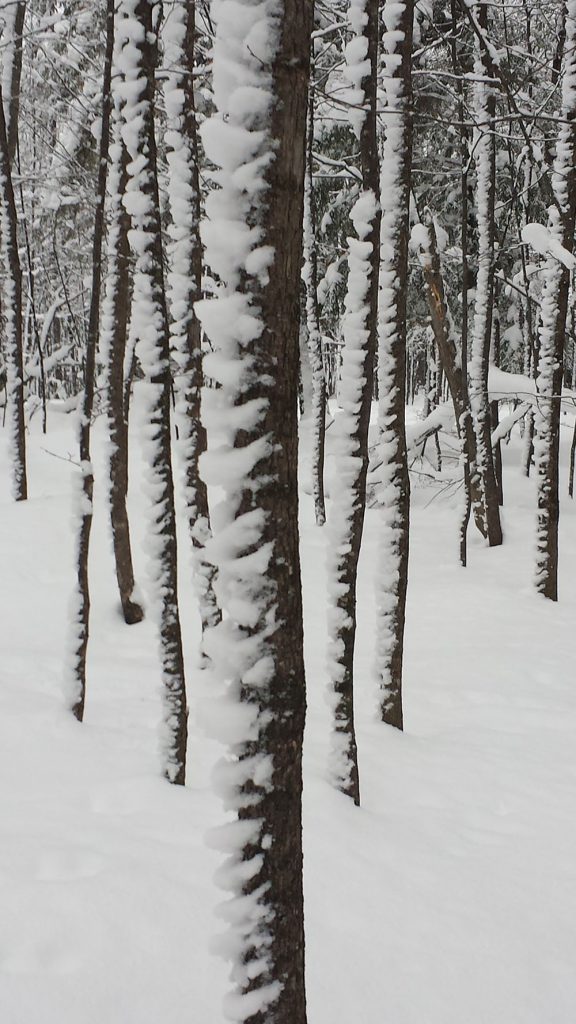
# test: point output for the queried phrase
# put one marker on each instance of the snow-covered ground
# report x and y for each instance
(448, 898)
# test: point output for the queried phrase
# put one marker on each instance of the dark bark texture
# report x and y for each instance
(12, 315)
(392, 370)
(150, 275)
(347, 564)
(87, 400)
(118, 309)
(281, 704)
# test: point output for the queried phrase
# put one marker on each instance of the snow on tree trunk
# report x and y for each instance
(80, 602)
(393, 489)
(310, 277)
(137, 61)
(12, 15)
(12, 313)
(185, 281)
(442, 327)
(484, 153)
(553, 322)
(253, 235)
(357, 375)
(115, 316)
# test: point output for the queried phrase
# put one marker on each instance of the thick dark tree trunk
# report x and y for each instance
(258, 649)
(13, 112)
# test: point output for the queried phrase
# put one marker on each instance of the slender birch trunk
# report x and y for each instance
(310, 275)
(12, 316)
(485, 102)
(185, 286)
(80, 606)
(115, 318)
(357, 377)
(137, 61)
(553, 323)
(394, 483)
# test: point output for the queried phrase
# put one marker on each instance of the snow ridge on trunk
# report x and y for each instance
(484, 150)
(253, 237)
(184, 281)
(393, 487)
(554, 308)
(310, 278)
(357, 372)
(137, 60)
(12, 312)
(113, 333)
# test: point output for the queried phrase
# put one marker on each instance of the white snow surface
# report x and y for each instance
(449, 897)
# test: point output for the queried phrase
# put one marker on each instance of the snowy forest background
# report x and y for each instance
(288, 383)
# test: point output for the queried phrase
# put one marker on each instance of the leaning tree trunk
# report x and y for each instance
(137, 61)
(394, 483)
(115, 317)
(485, 157)
(80, 606)
(452, 366)
(310, 275)
(258, 648)
(357, 379)
(185, 281)
(553, 323)
(12, 315)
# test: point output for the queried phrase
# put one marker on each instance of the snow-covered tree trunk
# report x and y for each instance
(553, 322)
(451, 363)
(394, 486)
(357, 377)
(115, 318)
(137, 61)
(485, 158)
(253, 235)
(185, 284)
(310, 276)
(464, 421)
(12, 316)
(12, 14)
(80, 603)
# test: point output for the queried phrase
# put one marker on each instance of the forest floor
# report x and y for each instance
(448, 898)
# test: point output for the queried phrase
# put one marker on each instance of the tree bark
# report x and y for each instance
(12, 315)
(357, 381)
(257, 650)
(185, 282)
(310, 275)
(485, 156)
(13, 14)
(137, 60)
(394, 489)
(81, 607)
(553, 323)
(115, 318)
